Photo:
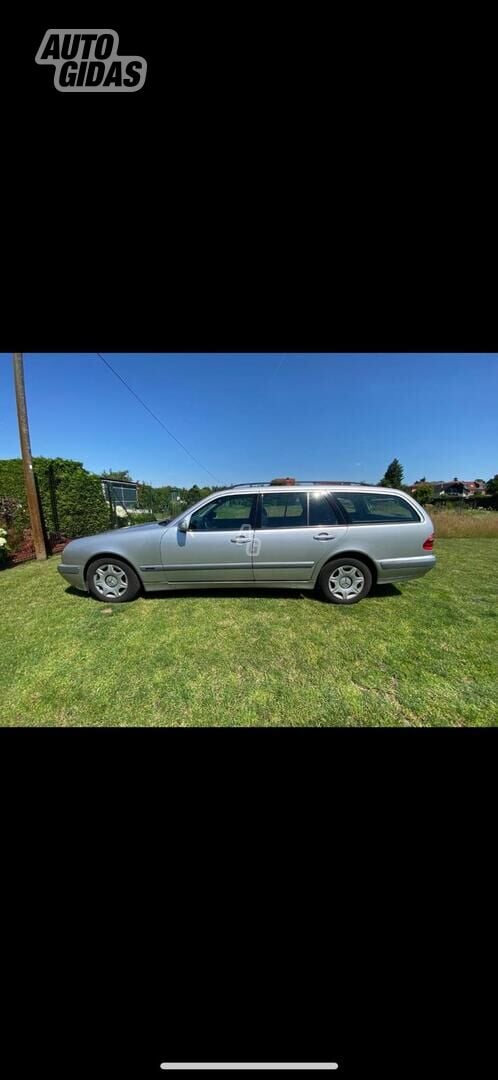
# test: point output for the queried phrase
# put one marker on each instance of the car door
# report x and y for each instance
(386, 526)
(295, 531)
(217, 544)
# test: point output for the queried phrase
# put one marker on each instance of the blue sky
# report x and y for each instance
(256, 416)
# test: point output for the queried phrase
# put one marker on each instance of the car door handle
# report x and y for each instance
(324, 536)
(240, 539)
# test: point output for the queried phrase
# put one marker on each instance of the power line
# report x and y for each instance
(170, 433)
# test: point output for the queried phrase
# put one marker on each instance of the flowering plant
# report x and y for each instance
(4, 547)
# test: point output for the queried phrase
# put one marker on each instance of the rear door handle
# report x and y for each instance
(324, 536)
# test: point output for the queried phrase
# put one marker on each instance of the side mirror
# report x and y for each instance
(183, 525)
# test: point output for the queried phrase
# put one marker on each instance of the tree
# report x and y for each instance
(423, 493)
(121, 474)
(393, 476)
(492, 485)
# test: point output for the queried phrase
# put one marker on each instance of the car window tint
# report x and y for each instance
(228, 513)
(372, 508)
(390, 506)
(321, 511)
(346, 503)
(284, 510)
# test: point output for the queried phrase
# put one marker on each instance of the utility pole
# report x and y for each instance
(29, 479)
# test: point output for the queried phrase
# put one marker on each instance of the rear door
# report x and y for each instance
(294, 531)
(217, 546)
(385, 526)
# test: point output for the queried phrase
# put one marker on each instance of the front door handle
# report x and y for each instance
(240, 539)
(324, 536)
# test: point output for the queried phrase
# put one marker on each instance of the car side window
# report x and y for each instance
(284, 510)
(321, 510)
(226, 514)
(372, 508)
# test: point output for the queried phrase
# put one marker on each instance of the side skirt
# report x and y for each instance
(186, 586)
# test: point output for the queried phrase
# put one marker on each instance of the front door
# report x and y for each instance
(217, 546)
(294, 532)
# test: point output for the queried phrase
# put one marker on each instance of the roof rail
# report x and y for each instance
(297, 483)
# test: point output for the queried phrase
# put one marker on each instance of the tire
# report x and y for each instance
(112, 581)
(334, 576)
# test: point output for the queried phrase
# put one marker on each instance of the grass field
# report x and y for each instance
(464, 523)
(421, 653)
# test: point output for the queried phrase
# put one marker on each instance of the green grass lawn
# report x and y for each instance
(421, 653)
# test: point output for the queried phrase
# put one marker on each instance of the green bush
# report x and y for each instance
(81, 506)
(13, 496)
(423, 494)
(486, 501)
(71, 498)
(141, 519)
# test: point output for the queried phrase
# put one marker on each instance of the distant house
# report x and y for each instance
(457, 489)
(452, 489)
(120, 493)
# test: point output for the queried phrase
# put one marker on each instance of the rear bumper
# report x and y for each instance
(404, 569)
(74, 575)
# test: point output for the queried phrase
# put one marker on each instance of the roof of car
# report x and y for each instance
(269, 486)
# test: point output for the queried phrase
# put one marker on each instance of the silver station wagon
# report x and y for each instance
(341, 538)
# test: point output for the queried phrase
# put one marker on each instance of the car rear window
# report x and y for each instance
(372, 508)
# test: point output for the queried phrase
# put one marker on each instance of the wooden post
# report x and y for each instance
(29, 479)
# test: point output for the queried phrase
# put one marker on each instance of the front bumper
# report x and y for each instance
(74, 575)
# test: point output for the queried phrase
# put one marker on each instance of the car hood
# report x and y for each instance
(125, 529)
(136, 528)
(106, 539)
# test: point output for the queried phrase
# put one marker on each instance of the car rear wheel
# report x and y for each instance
(112, 581)
(345, 581)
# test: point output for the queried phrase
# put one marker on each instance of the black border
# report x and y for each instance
(249, 895)
(146, 869)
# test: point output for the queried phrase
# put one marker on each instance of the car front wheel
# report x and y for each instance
(112, 581)
(345, 581)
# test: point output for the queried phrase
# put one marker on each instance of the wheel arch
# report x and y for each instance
(113, 555)
(350, 553)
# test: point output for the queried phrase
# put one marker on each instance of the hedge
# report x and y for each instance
(457, 502)
(71, 498)
(141, 519)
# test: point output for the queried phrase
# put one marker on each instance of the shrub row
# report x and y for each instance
(458, 503)
(71, 498)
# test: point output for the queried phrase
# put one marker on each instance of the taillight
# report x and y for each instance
(429, 543)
